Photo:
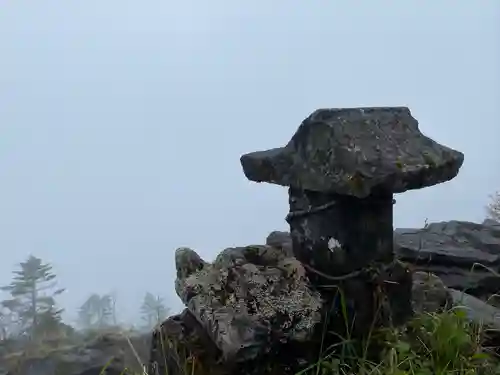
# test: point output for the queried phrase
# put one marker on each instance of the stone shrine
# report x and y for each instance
(342, 168)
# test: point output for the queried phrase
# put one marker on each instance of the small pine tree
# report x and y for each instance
(33, 290)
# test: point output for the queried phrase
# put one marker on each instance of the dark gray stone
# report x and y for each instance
(356, 151)
(346, 243)
(453, 243)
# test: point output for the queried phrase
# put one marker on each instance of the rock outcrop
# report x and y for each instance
(465, 255)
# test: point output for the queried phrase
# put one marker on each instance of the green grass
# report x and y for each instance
(431, 344)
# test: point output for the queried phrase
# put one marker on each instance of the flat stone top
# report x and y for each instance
(356, 151)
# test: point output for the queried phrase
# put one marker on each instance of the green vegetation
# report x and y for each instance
(444, 343)
(431, 344)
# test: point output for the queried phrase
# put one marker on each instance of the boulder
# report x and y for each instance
(429, 294)
(250, 301)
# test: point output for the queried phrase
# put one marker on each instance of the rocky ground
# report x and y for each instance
(83, 355)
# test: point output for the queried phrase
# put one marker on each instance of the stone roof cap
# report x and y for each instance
(356, 151)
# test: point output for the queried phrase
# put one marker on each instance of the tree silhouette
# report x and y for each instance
(5, 323)
(113, 298)
(493, 208)
(96, 311)
(33, 290)
(153, 310)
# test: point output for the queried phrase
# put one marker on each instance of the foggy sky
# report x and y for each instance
(122, 122)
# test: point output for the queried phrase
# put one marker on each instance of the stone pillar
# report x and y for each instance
(346, 244)
(339, 234)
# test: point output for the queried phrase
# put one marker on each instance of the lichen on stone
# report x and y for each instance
(249, 298)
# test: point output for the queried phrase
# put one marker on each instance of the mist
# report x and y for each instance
(122, 123)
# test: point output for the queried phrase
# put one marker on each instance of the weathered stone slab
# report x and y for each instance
(356, 151)
(452, 243)
(456, 251)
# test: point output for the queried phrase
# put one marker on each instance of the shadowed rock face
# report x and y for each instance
(356, 151)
